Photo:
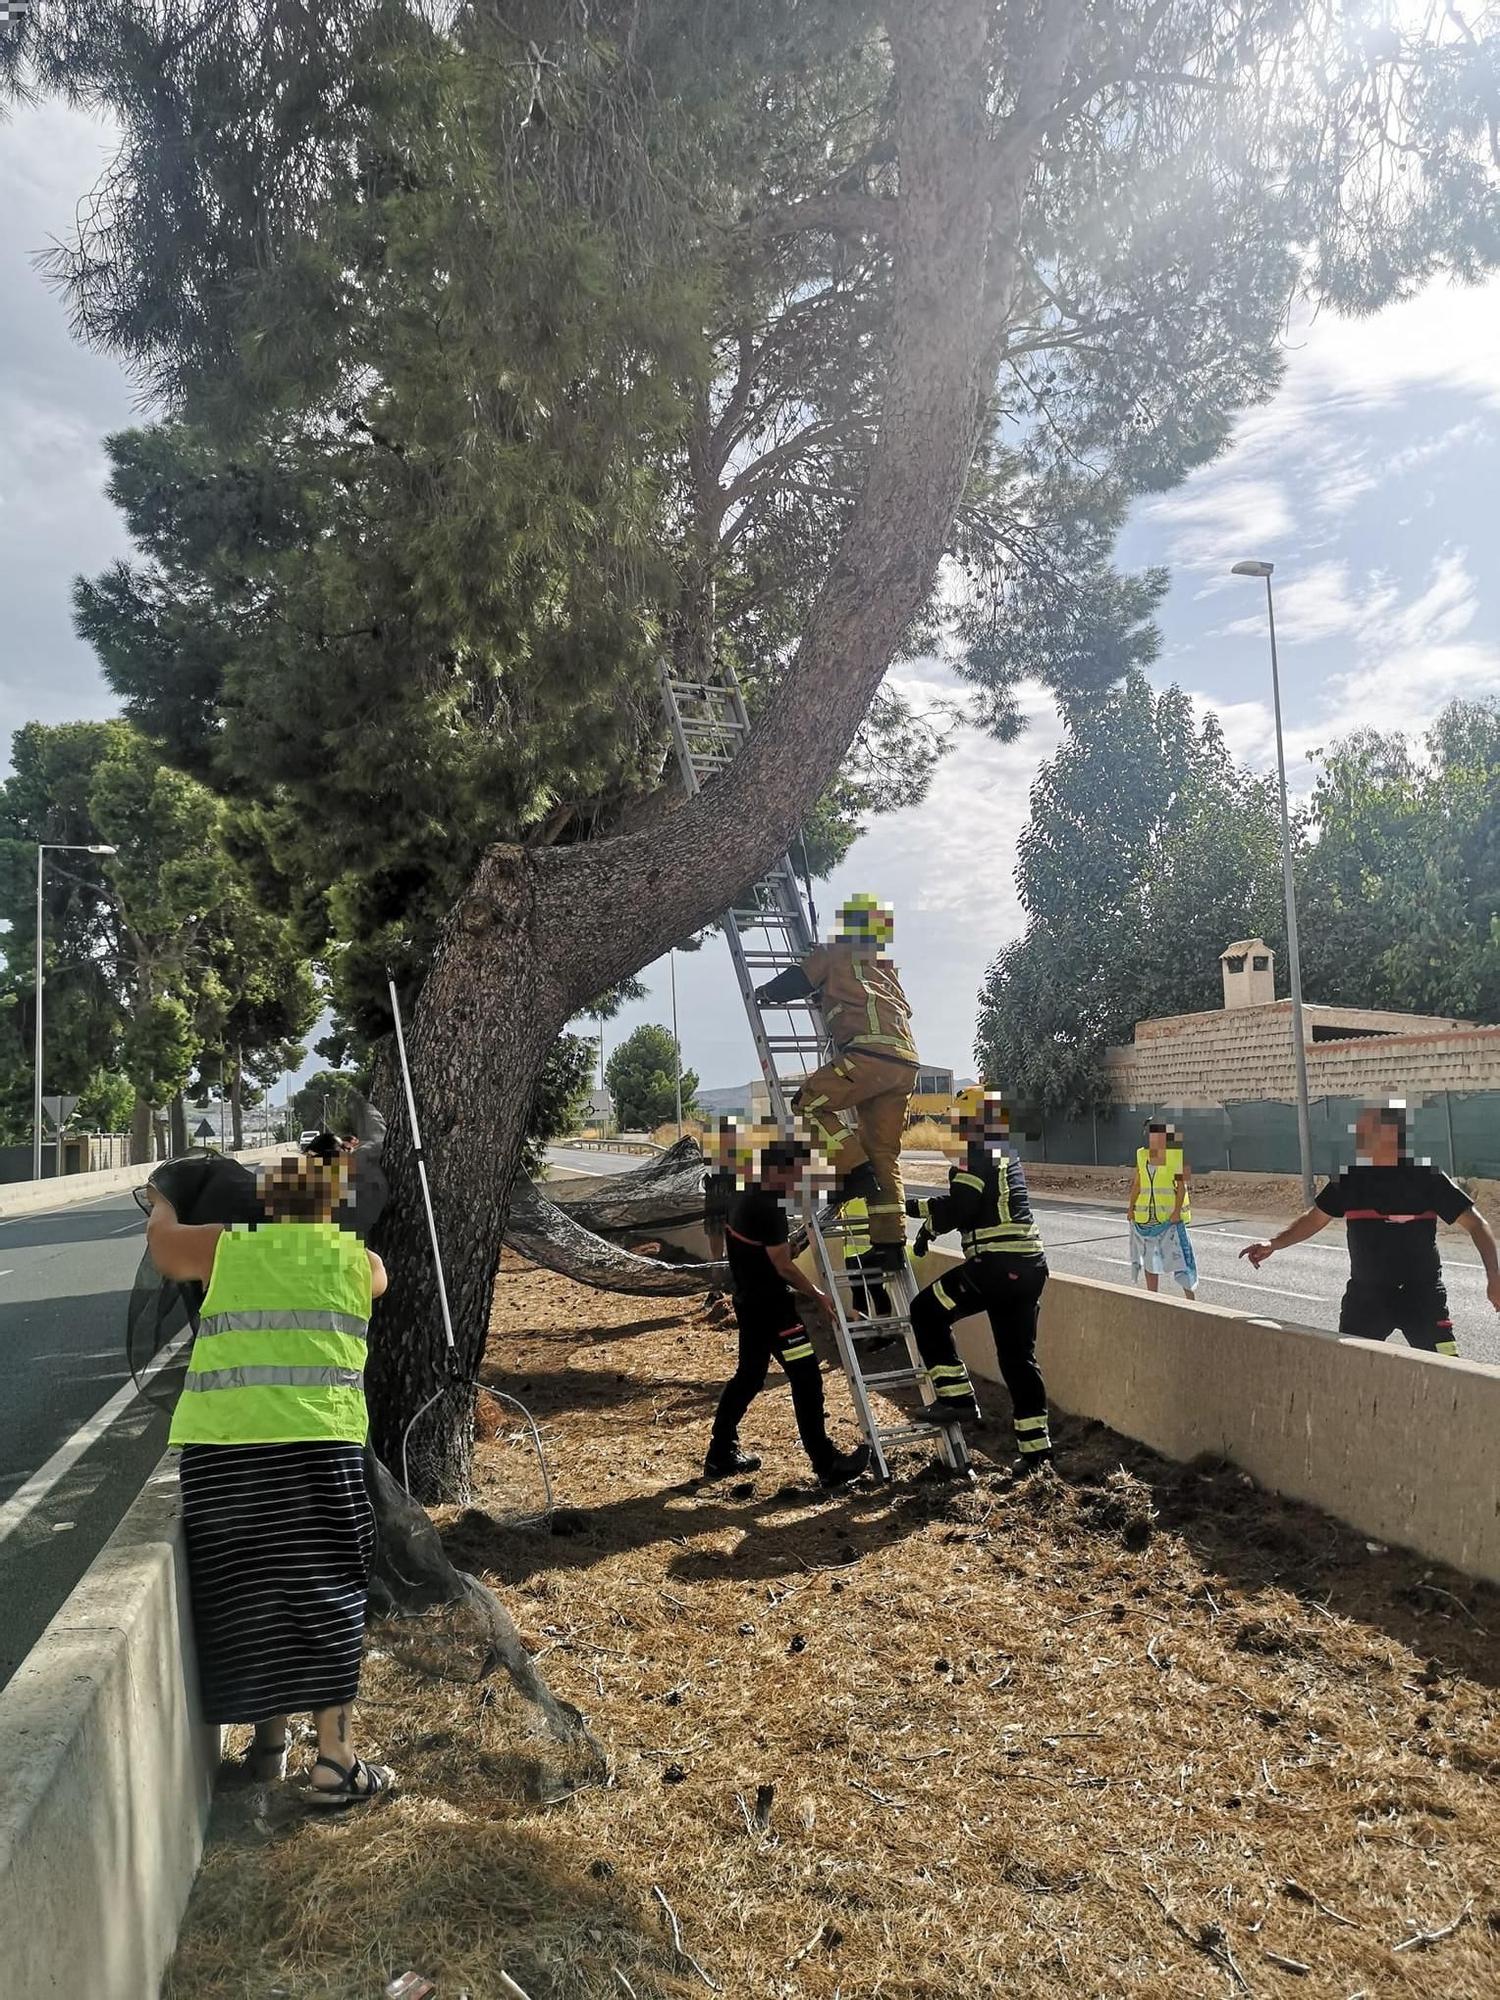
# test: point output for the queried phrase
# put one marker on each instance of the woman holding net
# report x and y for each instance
(271, 1425)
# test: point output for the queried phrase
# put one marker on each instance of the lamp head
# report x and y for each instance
(103, 850)
(1252, 569)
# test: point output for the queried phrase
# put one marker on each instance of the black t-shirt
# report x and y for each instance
(1391, 1215)
(757, 1219)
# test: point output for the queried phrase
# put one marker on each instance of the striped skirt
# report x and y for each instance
(279, 1543)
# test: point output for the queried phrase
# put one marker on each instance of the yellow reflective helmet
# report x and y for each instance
(977, 1105)
(864, 919)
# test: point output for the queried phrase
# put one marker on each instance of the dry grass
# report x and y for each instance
(930, 1135)
(1135, 1731)
(692, 1128)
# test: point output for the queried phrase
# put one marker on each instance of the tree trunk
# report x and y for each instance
(179, 1125)
(539, 931)
(142, 1134)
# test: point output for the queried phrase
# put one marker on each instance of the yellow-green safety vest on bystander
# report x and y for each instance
(1156, 1195)
(280, 1352)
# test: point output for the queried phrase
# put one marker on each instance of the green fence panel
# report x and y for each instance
(1476, 1134)
(1262, 1138)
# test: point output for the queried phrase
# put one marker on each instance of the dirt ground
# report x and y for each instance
(1135, 1729)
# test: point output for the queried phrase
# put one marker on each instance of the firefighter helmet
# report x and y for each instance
(975, 1105)
(864, 919)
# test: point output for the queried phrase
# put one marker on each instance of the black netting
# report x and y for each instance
(615, 1231)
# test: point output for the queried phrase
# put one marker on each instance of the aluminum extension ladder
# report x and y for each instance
(710, 727)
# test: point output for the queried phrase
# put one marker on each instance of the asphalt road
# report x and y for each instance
(1301, 1286)
(65, 1276)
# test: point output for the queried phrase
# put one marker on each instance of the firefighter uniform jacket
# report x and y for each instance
(861, 997)
(987, 1203)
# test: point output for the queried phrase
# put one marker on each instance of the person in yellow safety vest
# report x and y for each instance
(1002, 1275)
(1160, 1208)
(874, 1072)
(271, 1426)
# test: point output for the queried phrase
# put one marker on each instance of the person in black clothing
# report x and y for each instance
(1003, 1273)
(1391, 1206)
(765, 1280)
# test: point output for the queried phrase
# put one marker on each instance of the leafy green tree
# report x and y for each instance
(502, 349)
(1400, 895)
(325, 1099)
(105, 1103)
(1146, 851)
(641, 1074)
(150, 951)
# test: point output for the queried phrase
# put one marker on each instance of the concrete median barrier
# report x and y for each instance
(106, 1775)
(1398, 1444)
(33, 1197)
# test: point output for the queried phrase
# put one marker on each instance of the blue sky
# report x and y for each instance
(1369, 480)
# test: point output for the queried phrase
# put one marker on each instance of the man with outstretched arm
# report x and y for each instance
(1391, 1206)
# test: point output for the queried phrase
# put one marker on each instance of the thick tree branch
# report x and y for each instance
(841, 214)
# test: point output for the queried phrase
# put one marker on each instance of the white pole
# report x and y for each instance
(416, 1140)
(36, 1127)
(1299, 1038)
(676, 1045)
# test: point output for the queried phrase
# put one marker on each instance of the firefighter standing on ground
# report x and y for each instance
(1391, 1205)
(1160, 1208)
(765, 1280)
(874, 1072)
(1003, 1273)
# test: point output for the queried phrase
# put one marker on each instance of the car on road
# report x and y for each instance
(306, 1138)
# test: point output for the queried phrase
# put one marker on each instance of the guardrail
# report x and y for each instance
(609, 1146)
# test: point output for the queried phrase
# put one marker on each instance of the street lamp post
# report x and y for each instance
(1299, 1039)
(43, 849)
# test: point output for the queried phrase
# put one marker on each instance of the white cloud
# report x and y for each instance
(1213, 521)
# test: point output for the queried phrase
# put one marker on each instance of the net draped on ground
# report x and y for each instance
(608, 1230)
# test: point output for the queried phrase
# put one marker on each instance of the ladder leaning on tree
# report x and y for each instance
(768, 931)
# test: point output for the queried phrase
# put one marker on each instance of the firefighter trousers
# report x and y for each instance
(1009, 1291)
(764, 1333)
(877, 1091)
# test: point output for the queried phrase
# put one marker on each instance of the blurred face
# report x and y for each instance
(1156, 1140)
(1375, 1141)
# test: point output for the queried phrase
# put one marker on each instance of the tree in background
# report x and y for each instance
(1399, 896)
(503, 348)
(641, 1075)
(139, 944)
(1146, 851)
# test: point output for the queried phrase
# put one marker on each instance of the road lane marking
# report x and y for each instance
(1240, 1284)
(26, 1499)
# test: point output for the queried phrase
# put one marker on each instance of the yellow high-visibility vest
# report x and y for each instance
(280, 1352)
(1156, 1194)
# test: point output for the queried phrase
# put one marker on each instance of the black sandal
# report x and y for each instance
(359, 1784)
(260, 1764)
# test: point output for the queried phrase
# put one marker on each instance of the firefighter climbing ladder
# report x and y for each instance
(768, 931)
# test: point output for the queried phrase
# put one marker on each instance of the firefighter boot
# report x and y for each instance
(725, 1458)
(844, 1468)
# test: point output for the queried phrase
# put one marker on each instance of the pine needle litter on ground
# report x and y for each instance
(1133, 1729)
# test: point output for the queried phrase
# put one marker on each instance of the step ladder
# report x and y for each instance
(769, 930)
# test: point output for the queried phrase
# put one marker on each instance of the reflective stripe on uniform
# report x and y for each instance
(1030, 1444)
(1031, 1423)
(968, 1180)
(273, 1378)
(951, 1379)
(802, 1352)
(1447, 1347)
(291, 1322)
(941, 1296)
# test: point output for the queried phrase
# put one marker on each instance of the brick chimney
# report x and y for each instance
(1249, 968)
